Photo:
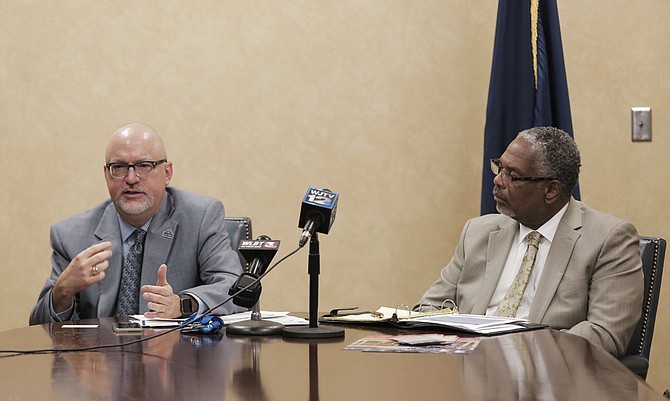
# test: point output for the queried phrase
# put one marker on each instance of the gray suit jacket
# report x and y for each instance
(592, 283)
(188, 234)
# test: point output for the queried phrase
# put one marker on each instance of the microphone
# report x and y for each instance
(317, 213)
(260, 252)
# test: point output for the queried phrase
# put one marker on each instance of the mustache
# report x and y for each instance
(132, 189)
(497, 194)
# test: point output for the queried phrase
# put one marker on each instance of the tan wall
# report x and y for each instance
(381, 101)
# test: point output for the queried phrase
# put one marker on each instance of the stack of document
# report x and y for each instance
(477, 324)
(278, 317)
(155, 323)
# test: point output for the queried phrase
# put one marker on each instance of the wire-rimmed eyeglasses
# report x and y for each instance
(498, 168)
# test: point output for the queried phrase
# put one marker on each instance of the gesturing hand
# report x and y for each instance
(162, 301)
(86, 268)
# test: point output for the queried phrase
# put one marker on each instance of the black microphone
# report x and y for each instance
(260, 252)
(317, 212)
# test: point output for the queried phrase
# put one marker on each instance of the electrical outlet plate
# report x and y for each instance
(641, 124)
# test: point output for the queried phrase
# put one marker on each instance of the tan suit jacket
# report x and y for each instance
(592, 283)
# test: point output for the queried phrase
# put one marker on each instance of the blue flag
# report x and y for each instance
(528, 86)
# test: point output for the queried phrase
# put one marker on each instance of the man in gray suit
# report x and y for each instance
(587, 276)
(185, 262)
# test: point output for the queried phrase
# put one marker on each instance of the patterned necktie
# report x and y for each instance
(128, 302)
(512, 299)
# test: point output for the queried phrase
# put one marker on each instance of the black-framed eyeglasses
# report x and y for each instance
(142, 169)
(498, 168)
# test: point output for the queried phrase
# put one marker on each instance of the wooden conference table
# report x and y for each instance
(227, 367)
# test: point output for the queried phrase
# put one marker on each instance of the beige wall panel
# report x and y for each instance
(380, 101)
(617, 56)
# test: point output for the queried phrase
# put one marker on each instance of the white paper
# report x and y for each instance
(277, 317)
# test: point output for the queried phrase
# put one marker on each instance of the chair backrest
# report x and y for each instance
(239, 228)
(652, 251)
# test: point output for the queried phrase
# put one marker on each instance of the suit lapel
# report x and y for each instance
(108, 230)
(499, 244)
(559, 255)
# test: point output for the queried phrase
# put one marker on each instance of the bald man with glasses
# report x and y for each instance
(149, 249)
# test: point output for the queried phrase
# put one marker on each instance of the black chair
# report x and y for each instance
(652, 250)
(239, 229)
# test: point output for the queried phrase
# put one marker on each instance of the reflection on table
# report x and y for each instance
(536, 365)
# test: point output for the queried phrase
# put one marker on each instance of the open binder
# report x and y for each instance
(438, 319)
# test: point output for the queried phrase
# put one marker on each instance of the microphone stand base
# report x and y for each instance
(255, 328)
(312, 332)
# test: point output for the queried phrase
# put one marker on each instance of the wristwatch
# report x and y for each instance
(186, 304)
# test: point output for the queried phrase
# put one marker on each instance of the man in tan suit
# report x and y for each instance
(587, 273)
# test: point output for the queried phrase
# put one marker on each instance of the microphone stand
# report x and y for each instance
(314, 330)
(256, 326)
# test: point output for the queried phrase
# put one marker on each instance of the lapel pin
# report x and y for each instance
(169, 234)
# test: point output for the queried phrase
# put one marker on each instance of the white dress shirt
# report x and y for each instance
(513, 263)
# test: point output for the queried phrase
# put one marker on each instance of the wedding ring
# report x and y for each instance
(95, 270)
